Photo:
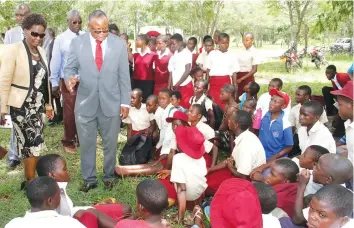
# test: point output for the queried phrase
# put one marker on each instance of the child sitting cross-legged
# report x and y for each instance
(268, 199)
(247, 154)
(43, 194)
(282, 176)
(54, 166)
(187, 182)
(151, 201)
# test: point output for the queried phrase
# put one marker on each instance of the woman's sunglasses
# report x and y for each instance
(76, 22)
(100, 31)
(36, 34)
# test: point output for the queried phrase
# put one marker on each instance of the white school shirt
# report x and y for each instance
(248, 153)
(222, 63)
(294, 117)
(247, 58)
(349, 132)
(66, 206)
(263, 104)
(177, 65)
(208, 104)
(318, 135)
(167, 137)
(44, 219)
(208, 134)
(202, 60)
(191, 172)
(139, 118)
(269, 221)
(14, 35)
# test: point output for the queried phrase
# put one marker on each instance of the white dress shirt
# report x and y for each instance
(349, 132)
(44, 219)
(139, 118)
(247, 58)
(167, 137)
(177, 65)
(14, 35)
(202, 60)
(269, 221)
(94, 44)
(60, 55)
(317, 135)
(294, 117)
(222, 63)
(208, 134)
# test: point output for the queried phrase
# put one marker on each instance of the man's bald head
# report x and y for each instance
(21, 11)
(338, 168)
(137, 92)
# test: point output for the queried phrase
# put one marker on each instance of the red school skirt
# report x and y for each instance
(216, 83)
(243, 83)
(159, 86)
(187, 92)
(215, 179)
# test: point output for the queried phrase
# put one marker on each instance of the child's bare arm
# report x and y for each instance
(283, 152)
(169, 159)
(182, 201)
(212, 118)
(221, 165)
(298, 217)
(215, 152)
(129, 131)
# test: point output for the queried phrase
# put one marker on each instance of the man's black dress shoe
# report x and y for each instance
(12, 164)
(87, 187)
(108, 185)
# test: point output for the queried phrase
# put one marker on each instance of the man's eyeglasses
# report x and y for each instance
(76, 22)
(100, 31)
(36, 34)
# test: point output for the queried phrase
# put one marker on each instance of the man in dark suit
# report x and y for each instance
(103, 96)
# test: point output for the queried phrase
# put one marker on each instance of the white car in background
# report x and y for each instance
(343, 43)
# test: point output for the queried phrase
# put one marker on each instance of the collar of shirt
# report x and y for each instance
(193, 52)
(166, 52)
(315, 128)
(62, 185)
(349, 124)
(278, 119)
(93, 46)
(200, 99)
(41, 214)
(240, 137)
(148, 51)
(72, 33)
(250, 49)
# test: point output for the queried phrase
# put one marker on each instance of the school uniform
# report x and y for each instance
(128, 223)
(294, 117)
(338, 82)
(208, 134)
(177, 66)
(276, 134)
(143, 75)
(202, 60)
(317, 135)
(349, 132)
(263, 104)
(286, 194)
(208, 104)
(246, 59)
(139, 119)
(161, 70)
(195, 55)
(269, 221)
(248, 154)
(222, 65)
(44, 219)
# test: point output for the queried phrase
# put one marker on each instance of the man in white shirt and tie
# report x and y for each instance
(57, 63)
(15, 35)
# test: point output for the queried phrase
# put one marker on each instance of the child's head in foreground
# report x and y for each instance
(311, 155)
(282, 170)
(54, 166)
(330, 207)
(136, 97)
(279, 101)
(151, 197)
(43, 194)
(267, 197)
(227, 92)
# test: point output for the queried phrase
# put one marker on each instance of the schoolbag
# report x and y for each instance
(218, 113)
(137, 150)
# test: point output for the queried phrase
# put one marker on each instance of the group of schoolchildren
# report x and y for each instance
(285, 172)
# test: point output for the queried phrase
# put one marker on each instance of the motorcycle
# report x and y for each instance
(292, 60)
(317, 57)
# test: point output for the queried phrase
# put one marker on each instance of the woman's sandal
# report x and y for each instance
(198, 215)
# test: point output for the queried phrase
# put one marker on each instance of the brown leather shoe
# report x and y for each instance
(69, 150)
(3, 152)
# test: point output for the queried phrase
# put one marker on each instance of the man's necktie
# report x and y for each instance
(98, 58)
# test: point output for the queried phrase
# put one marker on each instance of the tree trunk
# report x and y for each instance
(306, 38)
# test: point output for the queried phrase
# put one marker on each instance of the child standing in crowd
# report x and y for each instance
(251, 91)
(200, 87)
(188, 170)
(151, 201)
(222, 66)
(203, 56)
(268, 200)
(161, 64)
(195, 115)
(192, 47)
(139, 120)
(247, 154)
(54, 166)
(303, 93)
(312, 131)
(176, 98)
(275, 132)
(179, 67)
(248, 61)
(152, 44)
(197, 74)
(264, 99)
(43, 195)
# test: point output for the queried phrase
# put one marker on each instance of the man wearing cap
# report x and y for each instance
(276, 131)
(345, 105)
(188, 167)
